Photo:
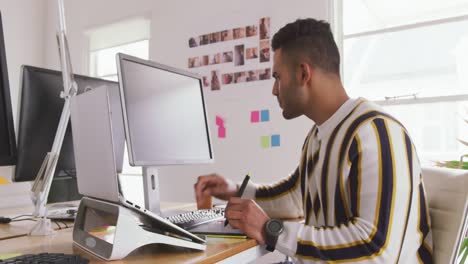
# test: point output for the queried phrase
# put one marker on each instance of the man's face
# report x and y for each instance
(287, 86)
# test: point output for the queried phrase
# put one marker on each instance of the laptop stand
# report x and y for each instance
(111, 231)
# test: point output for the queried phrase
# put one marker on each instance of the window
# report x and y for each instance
(102, 62)
(129, 37)
(412, 58)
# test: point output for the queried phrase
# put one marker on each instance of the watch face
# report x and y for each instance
(275, 226)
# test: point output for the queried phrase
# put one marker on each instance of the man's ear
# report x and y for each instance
(306, 72)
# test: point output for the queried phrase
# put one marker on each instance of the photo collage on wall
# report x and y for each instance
(237, 56)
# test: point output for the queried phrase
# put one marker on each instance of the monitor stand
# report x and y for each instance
(151, 189)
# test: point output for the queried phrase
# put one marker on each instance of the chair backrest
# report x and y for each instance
(447, 196)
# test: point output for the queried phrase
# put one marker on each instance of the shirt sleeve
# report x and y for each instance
(279, 200)
(379, 153)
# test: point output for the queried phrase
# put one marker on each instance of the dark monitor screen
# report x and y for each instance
(40, 111)
(7, 131)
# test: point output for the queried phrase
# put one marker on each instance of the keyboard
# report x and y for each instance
(62, 214)
(46, 258)
(195, 218)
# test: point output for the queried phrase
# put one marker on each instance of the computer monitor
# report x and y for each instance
(40, 110)
(7, 131)
(164, 114)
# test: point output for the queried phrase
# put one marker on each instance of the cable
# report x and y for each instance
(65, 224)
(6, 220)
(17, 218)
(13, 218)
(26, 219)
(56, 222)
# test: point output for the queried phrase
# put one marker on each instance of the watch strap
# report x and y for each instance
(271, 245)
(271, 239)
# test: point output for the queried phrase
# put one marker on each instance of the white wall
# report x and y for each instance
(24, 27)
(172, 23)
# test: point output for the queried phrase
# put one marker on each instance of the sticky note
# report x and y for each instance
(254, 117)
(265, 115)
(265, 141)
(11, 255)
(219, 121)
(3, 181)
(221, 132)
(275, 140)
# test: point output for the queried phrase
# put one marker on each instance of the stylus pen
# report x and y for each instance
(241, 191)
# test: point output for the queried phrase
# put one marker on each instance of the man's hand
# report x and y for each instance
(247, 216)
(214, 185)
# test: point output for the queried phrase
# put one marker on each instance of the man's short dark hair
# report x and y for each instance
(311, 39)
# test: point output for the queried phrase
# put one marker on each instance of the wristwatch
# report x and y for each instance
(273, 228)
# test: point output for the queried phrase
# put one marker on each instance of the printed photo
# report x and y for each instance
(193, 43)
(228, 78)
(206, 82)
(215, 37)
(226, 35)
(239, 33)
(251, 53)
(194, 62)
(215, 58)
(252, 76)
(204, 40)
(251, 31)
(205, 60)
(264, 50)
(264, 74)
(239, 55)
(265, 28)
(215, 82)
(227, 56)
(240, 77)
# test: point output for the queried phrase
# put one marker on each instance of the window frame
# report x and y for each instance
(336, 22)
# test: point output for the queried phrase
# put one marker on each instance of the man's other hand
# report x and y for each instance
(214, 185)
(247, 216)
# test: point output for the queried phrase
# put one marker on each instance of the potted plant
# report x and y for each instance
(463, 253)
(459, 164)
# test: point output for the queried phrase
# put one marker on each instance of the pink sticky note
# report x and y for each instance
(221, 132)
(254, 116)
(219, 121)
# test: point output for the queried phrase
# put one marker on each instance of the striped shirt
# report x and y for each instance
(359, 188)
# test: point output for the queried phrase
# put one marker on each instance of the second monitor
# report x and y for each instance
(39, 115)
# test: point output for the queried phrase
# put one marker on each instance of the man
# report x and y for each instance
(358, 184)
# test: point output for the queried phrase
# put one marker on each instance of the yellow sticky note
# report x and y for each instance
(228, 236)
(265, 141)
(12, 255)
(3, 181)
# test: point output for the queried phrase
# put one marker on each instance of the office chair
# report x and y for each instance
(447, 197)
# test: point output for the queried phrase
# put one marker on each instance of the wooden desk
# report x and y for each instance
(13, 239)
(22, 228)
(218, 250)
